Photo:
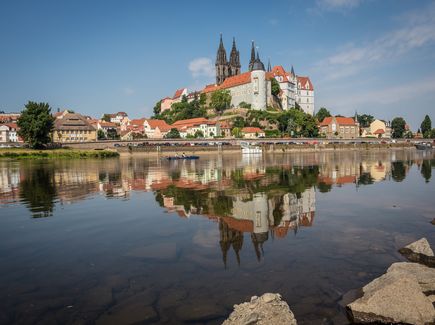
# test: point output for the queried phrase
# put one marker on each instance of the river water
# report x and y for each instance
(143, 240)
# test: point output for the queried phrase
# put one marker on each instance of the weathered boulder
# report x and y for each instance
(419, 252)
(397, 297)
(267, 309)
(425, 275)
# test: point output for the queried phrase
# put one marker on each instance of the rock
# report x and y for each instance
(268, 309)
(395, 297)
(419, 252)
(164, 251)
(424, 275)
(421, 246)
(433, 221)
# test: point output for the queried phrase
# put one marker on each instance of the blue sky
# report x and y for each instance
(375, 57)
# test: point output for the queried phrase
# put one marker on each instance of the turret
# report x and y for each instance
(259, 84)
(251, 62)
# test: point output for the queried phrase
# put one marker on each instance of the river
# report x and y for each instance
(139, 239)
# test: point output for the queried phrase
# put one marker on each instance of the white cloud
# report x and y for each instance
(201, 67)
(416, 32)
(338, 4)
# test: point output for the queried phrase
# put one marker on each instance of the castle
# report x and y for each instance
(254, 87)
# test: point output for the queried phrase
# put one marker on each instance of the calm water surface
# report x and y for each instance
(140, 240)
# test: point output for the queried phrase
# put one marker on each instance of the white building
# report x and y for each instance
(305, 94)
(287, 85)
(118, 117)
(208, 128)
(8, 132)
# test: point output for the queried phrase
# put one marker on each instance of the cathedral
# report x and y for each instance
(224, 68)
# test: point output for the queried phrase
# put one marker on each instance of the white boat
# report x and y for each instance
(248, 148)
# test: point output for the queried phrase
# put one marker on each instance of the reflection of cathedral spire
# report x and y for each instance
(258, 239)
(228, 238)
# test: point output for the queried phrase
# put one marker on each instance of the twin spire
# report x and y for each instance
(224, 68)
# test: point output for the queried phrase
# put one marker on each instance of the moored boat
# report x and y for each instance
(182, 158)
(423, 146)
(248, 148)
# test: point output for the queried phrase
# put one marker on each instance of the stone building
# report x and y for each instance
(305, 94)
(339, 127)
(224, 68)
(73, 127)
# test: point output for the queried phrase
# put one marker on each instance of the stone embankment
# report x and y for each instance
(405, 294)
(267, 309)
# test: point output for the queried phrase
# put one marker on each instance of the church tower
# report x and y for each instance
(221, 63)
(252, 61)
(234, 64)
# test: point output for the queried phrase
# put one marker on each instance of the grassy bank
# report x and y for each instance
(56, 154)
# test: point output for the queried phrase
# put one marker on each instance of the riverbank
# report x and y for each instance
(19, 153)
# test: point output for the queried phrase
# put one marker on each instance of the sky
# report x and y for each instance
(103, 56)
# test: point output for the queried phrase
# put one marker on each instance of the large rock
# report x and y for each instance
(425, 275)
(267, 309)
(420, 252)
(397, 297)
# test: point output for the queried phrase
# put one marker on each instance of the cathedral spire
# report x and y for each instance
(221, 63)
(234, 64)
(251, 62)
(269, 67)
(293, 71)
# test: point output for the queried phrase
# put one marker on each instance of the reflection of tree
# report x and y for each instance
(323, 187)
(38, 190)
(426, 170)
(365, 179)
(398, 171)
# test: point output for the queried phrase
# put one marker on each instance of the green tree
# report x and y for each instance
(426, 170)
(322, 113)
(432, 134)
(101, 135)
(203, 99)
(173, 134)
(365, 120)
(426, 126)
(275, 87)
(220, 100)
(199, 134)
(106, 117)
(157, 108)
(239, 122)
(244, 105)
(36, 124)
(237, 132)
(398, 127)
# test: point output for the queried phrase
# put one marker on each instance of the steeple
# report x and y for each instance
(258, 65)
(221, 64)
(269, 67)
(293, 71)
(251, 62)
(234, 64)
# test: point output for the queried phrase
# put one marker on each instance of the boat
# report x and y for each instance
(248, 148)
(423, 146)
(182, 158)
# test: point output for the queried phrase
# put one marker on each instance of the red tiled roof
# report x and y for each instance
(138, 121)
(210, 88)
(305, 81)
(278, 71)
(107, 124)
(240, 225)
(339, 120)
(191, 122)
(12, 125)
(379, 131)
(178, 93)
(237, 80)
(250, 129)
(161, 124)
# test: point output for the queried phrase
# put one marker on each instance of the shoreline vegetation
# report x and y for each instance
(19, 153)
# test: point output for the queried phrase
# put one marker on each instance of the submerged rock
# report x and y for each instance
(267, 309)
(419, 252)
(399, 296)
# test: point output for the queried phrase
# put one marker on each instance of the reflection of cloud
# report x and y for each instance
(418, 31)
(128, 91)
(201, 67)
(206, 238)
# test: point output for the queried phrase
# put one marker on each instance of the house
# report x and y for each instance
(191, 126)
(9, 133)
(287, 85)
(225, 129)
(305, 94)
(250, 132)
(178, 96)
(339, 127)
(126, 135)
(73, 127)
(118, 117)
(378, 129)
(156, 129)
(136, 125)
(165, 104)
(107, 127)
(9, 117)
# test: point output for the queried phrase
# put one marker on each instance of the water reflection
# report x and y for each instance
(215, 230)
